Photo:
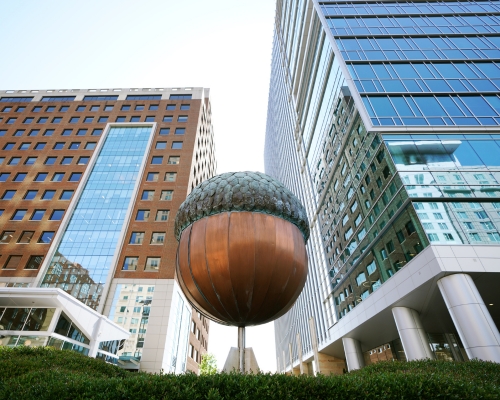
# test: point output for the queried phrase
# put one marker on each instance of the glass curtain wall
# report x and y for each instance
(84, 255)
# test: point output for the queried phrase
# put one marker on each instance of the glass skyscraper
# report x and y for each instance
(384, 119)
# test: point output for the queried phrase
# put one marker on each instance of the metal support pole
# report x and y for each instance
(241, 347)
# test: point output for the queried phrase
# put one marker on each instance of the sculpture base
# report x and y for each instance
(232, 361)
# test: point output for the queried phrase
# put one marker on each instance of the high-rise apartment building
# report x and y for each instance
(384, 119)
(90, 183)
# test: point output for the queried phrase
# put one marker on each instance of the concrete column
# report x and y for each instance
(94, 340)
(303, 367)
(353, 354)
(314, 345)
(412, 334)
(472, 319)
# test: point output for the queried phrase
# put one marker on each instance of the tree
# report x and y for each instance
(208, 365)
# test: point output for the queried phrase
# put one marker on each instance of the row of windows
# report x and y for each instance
(47, 195)
(14, 261)
(36, 215)
(57, 120)
(473, 237)
(429, 7)
(48, 161)
(156, 237)
(164, 194)
(40, 177)
(26, 237)
(98, 98)
(50, 132)
(421, 48)
(414, 25)
(161, 215)
(172, 160)
(126, 107)
(57, 146)
(132, 263)
(448, 110)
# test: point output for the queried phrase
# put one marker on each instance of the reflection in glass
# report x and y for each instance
(84, 255)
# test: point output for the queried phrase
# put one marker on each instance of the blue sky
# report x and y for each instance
(221, 44)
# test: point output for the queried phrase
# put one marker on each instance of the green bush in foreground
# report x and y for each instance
(43, 373)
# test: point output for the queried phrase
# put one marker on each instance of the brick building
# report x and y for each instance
(90, 182)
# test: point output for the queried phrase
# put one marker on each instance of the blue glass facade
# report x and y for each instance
(84, 255)
(386, 131)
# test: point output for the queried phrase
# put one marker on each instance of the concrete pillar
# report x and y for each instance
(94, 340)
(314, 345)
(303, 367)
(412, 334)
(472, 319)
(353, 354)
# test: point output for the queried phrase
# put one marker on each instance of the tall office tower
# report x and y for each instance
(90, 182)
(384, 119)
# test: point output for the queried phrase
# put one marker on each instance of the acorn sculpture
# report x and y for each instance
(241, 258)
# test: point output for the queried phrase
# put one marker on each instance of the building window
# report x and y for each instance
(64, 108)
(120, 119)
(161, 145)
(34, 132)
(66, 132)
(58, 146)
(6, 237)
(142, 215)
(46, 237)
(14, 161)
(48, 195)
(66, 195)
(170, 107)
(80, 108)
(164, 131)
(34, 262)
(156, 160)
(20, 177)
(90, 145)
(37, 215)
(18, 215)
(168, 118)
(81, 132)
(12, 262)
(474, 237)
(66, 160)
(74, 120)
(108, 108)
(8, 194)
(182, 118)
(29, 120)
(102, 120)
(174, 160)
(136, 238)
(41, 176)
(74, 146)
(56, 120)
(139, 107)
(185, 107)
(130, 263)
(4, 177)
(152, 264)
(50, 160)
(75, 177)
(162, 215)
(11, 120)
(125, 108)
(19, 132)
(180, 131)
(9, 146)
(83, 160)
(58, 177)
(37, 109)
(150, 118)
(176, 145)
(30, 194)
(147, 195)
(97, 132)
(26, 237)
(135, 118)
(361, 278)
(166, 194)
(88, 120)
(494, 237)
(170, 176)
(152, 177)
(48, 132)
(433, 237)
(30, 161)
(56, 215)
(158, 238)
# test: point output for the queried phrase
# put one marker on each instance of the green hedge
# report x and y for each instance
(44, 373)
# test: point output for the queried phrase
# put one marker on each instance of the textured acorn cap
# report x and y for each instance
(241, 191)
